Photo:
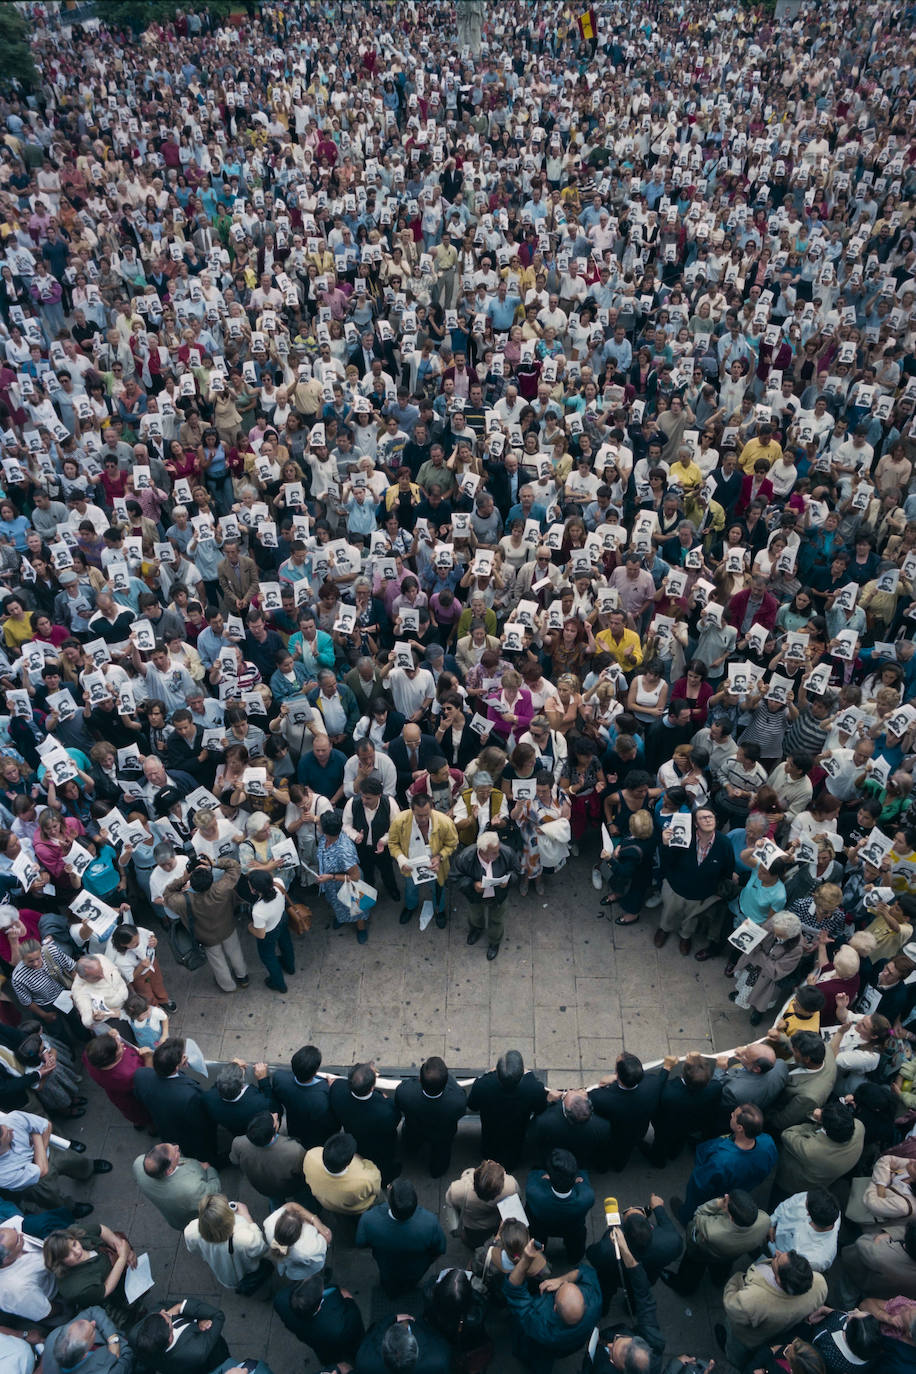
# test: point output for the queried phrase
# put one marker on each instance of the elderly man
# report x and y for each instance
(27, 1286)
(31, 1172)
(754, 1075)
(98, 991)
(571, 1123)
(485, 870)
(91, 1343)
(422, 841)
(173, 1184)
(559, 1319)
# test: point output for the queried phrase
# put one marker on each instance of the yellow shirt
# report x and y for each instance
(687, 477)
(628, 652)
(754, 449)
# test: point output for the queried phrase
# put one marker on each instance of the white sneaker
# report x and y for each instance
(654, 899)
(597, 884)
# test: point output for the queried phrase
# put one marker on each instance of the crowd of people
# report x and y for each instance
(428, 468)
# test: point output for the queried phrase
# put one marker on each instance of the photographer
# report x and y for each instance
(206, 905)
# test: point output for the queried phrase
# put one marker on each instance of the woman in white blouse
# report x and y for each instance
(298, 1241)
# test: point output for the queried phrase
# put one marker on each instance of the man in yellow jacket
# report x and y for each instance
(340, 1179)
(418, 834)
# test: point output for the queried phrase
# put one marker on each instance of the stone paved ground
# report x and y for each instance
(568, 990)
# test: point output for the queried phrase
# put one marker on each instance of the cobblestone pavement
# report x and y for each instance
(568, 990)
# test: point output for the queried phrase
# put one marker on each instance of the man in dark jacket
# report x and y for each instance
(404, 1238)
(639, 1344)
(627, 1099)
(432, 1106)
(687, 1109)
(507, 1098)
(186, 1338)
(176, 1102)
(304, 1095)
(484, 871)
(232, 1102)
(369, 1116)
(558, 1203)
(204, 899)
(327, 1319)
(651, 1235)
(403, 1342)
(572, 1124)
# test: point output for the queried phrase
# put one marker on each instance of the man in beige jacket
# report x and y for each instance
(763, 1304)
(817, 1153)
(340, 1179)
(98, 992)
(719, 1232)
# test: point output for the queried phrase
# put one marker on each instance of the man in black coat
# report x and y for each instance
(507, 1098)
(369, 1116)
(403, 1342)
(431, 1106)
(304, 1095)
(327, 1319)
(412, 754)
(627, 1100)
(572, 1124)
(688, 1109)
(558, 1203)
(186, 1338)
(232, 1102)
(656, 1246)
(176, 1102)
(404, 1238)
(636, 1345)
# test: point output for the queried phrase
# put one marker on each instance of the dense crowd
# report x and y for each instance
(425, 470)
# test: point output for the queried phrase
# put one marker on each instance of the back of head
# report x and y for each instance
(570, 1304)
(201, 879)
(151, 1337)
(305, 1297)
(73, 1344)
(338, 1152)
(399, 1347)
(433, 1075)
(804, 1359)
(510, 1069)
(795, 1274)
(578, 1107)
(822, 1207)
(157, 1161)
(261, 1129)
(215, 1219)
(838, 1121)
(306, 1062)
(361, 1078)
(167, 1057)
(812, 999)
(863, 1336)
(489, 1180)
(697, 1072)
(638, 1230)
(402, 1199)
(229, 1081)
(630, 1071)
(638, 1357)
(742, 1208)
(750, 1119)
(561, 1170)
(450, 1301)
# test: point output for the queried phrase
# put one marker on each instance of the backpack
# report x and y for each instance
(186, 951)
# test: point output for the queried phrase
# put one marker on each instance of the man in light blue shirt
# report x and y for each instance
(502, 308)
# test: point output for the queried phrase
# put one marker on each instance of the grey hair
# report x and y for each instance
(163, 851)
(71, 1348)
(230, 1081)
(85, 962)
(399, 1347)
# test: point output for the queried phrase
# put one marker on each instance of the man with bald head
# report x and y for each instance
(754, 1075)
(559, 1319)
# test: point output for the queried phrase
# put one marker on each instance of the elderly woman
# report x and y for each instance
(338, 862)
(230, 1241)
(510, 709)
(836, 977)
(257, 847)
(112, 1063)
(630, 864)
(298, 1241)
(480, 807)
(759, 973)
(89, 1264)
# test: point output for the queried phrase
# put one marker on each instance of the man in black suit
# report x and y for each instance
(403, 1237)
(369, 1116)
(558, 1203)
(507, 1098)
(688, 1109)
(304, 1095)
(627, 1100)
(411, 753)
(232, 1102)
(655, 1246)
(403, 1342)
(636, 1346)
(327, 1319)
(186, 1338)
(176, 1102)
(432, 1106)
(571, 1124)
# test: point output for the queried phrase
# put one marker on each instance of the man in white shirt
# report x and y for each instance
(413, 690)
(27, 1288)
(808, 1223)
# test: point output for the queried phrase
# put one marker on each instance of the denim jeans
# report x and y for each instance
(276, 952)
(412, 894)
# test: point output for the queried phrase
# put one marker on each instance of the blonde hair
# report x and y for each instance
(828, 897)
(215, 1219)
(641, 826)
(863, 942)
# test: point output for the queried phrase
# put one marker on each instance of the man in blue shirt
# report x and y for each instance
(502, 308)
(740, 1160)
(323, 769)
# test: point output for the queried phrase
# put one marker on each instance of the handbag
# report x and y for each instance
(299, 916)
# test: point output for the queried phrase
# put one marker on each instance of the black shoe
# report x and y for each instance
(395, 897)
(492, 951)
(242, 982)
(404, 916)
(169, 1006)
(441, 920)
(756, 1018)
(81, 1209)
(720, 1334)
(474, 936)
(288, 969)
(273, 986)
(102, 1166)
(77, 1147)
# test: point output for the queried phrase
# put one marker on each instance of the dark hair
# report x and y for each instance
(863, 1336)
(823, 1208)
(261, 1129)
(510, 1069)
(750, 1119)
(361, 1079)
(168, 1056)
(742, 1208)
(402, 1199)
(561, 1170)
(150, 1337)
(102, 1051)
(306, 1062)
(838, 1121)
(305, 1297)
(434, 1075)
(809, 1045)
(638, 1231)
(630, 1071)
(810, 999)
(338, 1152)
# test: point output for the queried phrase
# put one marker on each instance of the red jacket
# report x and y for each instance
(766, 612)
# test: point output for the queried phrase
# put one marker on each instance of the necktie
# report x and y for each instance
(414, 762)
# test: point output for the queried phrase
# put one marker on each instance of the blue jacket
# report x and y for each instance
(720, 1166)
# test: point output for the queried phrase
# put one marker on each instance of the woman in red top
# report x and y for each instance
(112, 1063)
(694, 689)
